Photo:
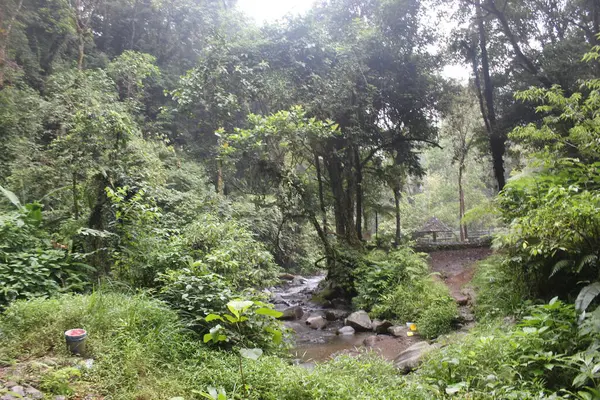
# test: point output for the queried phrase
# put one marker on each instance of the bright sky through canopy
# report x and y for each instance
(270, 10)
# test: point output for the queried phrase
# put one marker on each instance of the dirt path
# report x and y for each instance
(457, 267)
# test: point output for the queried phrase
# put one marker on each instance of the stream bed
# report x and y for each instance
(319, 345)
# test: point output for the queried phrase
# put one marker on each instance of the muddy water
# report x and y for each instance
(321, 345)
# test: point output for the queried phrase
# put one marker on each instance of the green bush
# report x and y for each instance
(423, 301)
(29, 265)
(229, 249)
(501, 288)
(141, 350)
(381, 272)
(540, 357)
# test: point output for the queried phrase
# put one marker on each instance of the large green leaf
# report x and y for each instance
(11, 196)
(269, 311)
(586, 296)
(252, 354)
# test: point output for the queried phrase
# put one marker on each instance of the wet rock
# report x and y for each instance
(20, 390)
(461, 300)
(278, 299)
(292, 313)
(317, 313)
(381, 326)
(346, 330)
(360, 321)
(298, 280)
(412, 357)
(465, 315)
(34, 393)
(371, 341)
(335, 315)
(397, 330)
(286, 277)
(317, 322)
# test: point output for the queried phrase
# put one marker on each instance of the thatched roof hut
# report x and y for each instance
(434, 226)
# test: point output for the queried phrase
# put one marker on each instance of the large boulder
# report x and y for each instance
(316, 322)
(397, 330)
(334, 315)
(360, 321)
(381, 326)
(412, 357)
(292, 313)
(345, 331)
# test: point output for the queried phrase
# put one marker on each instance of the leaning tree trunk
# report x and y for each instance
(497, 143)
(4, 37)
(398, 235)
(461, 197)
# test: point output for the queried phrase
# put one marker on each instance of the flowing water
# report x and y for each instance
(321, 345)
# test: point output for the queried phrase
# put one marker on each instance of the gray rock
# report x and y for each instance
(412, 357)
(298, 280)
(360, 321)
(318, 313)
(34, 393)
(7, 397)
(346, 330)
(60, 398)
(286, 277)
(10, 384)
(381, 326)
(462, 300)
(278, 299)
(20, 390)
(291, 313)
(334, 315)
(397, 331)
(316, 322)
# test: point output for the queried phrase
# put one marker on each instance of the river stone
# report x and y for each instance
(461, 300)
(298, 280)
(292, 313)
(334, 315)
(316, 322)
(381, 326)
(34, 393)
(286, 277)
(360, 321)
(20, 390)
(346, 330)
(412, 357)
(397, 330)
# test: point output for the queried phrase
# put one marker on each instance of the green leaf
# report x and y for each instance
(269, 312)
(252, 354)
(239, 306)
(207, 337)
(586, 296)
(212, 317)
(11, 196)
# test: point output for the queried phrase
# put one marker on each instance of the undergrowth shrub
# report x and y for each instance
(230, 249)
(541, 357)
(382, 271)
(423, 301)
(142, 351)
(501, 288)
(197, 293)
(30, 265)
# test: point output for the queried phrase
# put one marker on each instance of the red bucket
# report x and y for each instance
(76, 340)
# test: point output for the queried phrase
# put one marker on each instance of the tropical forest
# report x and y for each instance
(299, 199)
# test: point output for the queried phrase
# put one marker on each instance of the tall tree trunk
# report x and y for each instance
(321, 196)
(220, 185)
(461, 198)
(75, 197)
(359, 195)
(398, 235)
(497, 142)
(4, 38)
